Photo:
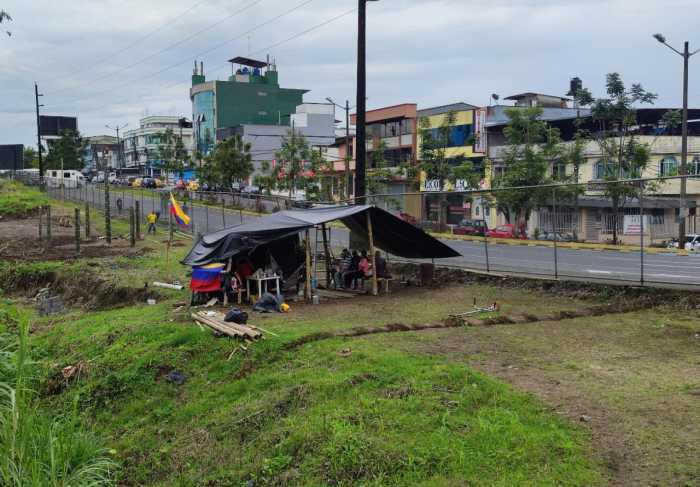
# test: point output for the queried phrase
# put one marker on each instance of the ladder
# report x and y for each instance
(323, 256)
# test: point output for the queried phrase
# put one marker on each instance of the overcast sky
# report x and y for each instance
(113, 61)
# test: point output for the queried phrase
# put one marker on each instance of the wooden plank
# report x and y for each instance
(232, 329)
(335, 294)
(370, 234)
(307, 289)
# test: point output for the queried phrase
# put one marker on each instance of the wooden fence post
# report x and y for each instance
(77, 230)
(41, 226)
(327, 255)
(48, 225)
(132, 228)
(87, 221)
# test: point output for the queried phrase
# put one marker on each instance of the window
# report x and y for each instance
(694, 166)
(668, 166)
(66, 175)
(600, 168)
(558, 171)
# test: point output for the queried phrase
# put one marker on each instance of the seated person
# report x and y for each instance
(364, 270)
(244, 269)
(380, 263)
(349, 274)
(341, 267)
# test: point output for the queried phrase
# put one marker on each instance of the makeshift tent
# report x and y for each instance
(390, 233)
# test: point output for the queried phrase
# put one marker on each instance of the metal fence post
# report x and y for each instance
(223, 210)
(641, 235)
(486, 252)
(48, 225)
(206, 216)
(77, 230)
(137, 220)
(41, 219)
(554, 230)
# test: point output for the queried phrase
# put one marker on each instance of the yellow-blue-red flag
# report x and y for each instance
(180, 216)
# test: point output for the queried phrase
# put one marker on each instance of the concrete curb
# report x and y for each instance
(563, 245)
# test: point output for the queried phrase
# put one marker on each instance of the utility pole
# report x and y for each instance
(347, 187)
(361, 156)
(686, 55)
(117, 128)
(38, 135)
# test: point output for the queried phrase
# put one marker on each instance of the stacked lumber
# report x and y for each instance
(215, 321)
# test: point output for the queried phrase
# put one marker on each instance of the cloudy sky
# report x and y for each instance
(114, 61)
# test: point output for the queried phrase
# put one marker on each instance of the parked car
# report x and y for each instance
(180, 184)
(250, 190)
(471, 227)
(692, 243)
(148, 183)
(504, 231)
(193, 185)
(136, 183)
(159, 182)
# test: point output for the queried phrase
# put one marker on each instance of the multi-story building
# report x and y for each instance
(462, 123)
(251, 96)
(591, 216)
(99, 150)
(142, 145)
(314, 121)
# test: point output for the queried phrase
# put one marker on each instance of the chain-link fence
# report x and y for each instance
(620, 235)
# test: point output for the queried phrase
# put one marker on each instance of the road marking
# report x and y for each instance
(673, 276)
(594, 271)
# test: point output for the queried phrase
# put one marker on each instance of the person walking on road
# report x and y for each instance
(151, 219)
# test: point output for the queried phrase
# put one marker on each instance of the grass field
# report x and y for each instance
(499, 405)
(16, 200)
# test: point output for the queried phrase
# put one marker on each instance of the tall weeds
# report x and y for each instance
(35, 448)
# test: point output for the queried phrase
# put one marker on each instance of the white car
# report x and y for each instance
(692, 243)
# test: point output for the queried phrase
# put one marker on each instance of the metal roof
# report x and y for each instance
(530, 93)
(248, 62)
(456, 107)
(497, 114)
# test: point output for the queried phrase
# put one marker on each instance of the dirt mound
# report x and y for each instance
(77, 286)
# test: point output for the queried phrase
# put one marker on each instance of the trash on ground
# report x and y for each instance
(236, 315)
(177, 287)
(151, 302)
(268, 303)
(176, 377)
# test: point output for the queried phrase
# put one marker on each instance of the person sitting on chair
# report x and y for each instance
(342, 266)
(364, 270)
(349, 274)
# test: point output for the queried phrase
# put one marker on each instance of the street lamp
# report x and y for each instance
(361, 155)
(119, 144)
(686, 54)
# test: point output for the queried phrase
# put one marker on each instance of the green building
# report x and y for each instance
(251, 95)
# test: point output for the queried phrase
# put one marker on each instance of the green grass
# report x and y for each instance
(17, 200)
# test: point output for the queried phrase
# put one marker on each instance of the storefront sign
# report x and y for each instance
(433, 185)
(480, 137)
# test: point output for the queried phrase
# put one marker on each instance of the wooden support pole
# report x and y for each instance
(77, 230)
(327, 254)
(108, 212)
(87, 220)
(307, 289)
(170, 228)
(375, 289)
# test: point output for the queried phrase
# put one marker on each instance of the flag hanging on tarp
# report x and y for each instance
(176, 211)
(207, 278)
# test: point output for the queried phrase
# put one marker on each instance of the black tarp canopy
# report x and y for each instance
(390, 233)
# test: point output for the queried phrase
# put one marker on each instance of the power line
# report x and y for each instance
(167, 87)
(165, 49)
(134, 43)
(195, 56)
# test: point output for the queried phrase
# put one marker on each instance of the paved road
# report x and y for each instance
(587, 265)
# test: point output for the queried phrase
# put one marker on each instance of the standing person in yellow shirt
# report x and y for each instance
(151, 219)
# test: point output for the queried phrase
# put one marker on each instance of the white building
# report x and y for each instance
(141, 145)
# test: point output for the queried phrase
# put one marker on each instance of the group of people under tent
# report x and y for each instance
(353, 268)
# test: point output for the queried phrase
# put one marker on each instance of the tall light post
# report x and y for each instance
(119, 145)
(361, 155)
(347, 109)
(686, 54)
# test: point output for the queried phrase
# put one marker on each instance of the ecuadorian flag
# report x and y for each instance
(180, 216)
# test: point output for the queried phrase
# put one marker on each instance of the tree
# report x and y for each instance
(622, 155)
(290, 158)
(230, 161)
(31, 157)
(170, 156)
(266, 179)
(66, 152)
(5, 17)
(533, 146)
